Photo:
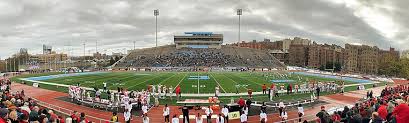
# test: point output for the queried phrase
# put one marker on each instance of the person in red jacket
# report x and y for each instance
(61, 119)
(291, 88)
(401, 112)
(149, 88)
(264, 87)
(272, 86)
(336, 117)
(74, 117)
(53, 116)
(241, 102)
(178, 93)
(382, 111)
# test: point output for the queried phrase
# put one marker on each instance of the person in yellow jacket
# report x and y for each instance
(114, 117)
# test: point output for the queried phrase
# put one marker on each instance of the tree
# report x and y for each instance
(389, 66)
(322, 67)
(404, 71)
(394, 68)
(338, 67)
(331, 65)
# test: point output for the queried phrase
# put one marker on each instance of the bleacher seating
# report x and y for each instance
(227, 56)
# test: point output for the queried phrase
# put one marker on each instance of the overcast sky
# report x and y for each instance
(115, 24)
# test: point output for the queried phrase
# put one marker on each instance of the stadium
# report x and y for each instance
(200, 76)
(198, 71)
(198, 68)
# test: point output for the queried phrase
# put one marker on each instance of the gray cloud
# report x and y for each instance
(115, 24)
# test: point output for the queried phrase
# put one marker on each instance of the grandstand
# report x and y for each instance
(226, 56)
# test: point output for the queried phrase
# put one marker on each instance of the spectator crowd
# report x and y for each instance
(390, 107)
(183, 58)
(15, 107)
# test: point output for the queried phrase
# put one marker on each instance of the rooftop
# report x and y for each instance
(199, 33)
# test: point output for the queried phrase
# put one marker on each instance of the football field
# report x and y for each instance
(190, 82)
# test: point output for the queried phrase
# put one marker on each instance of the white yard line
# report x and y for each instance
(167, 79)
(144, 81)
(218, 83)
(234, 81)
(50, 83)
(179, 82)
(198, 83)
(249, 80)
(121, 80)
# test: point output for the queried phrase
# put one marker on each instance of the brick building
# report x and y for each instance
(286, 43)
(279, 49)
(304, 53)
(361, 59)
(388, 55)
(368, 59)
(254, 44)
(351, 58)
(283, 45)
(330, 55)
(262, 45)
(2, 66)
(315, 55)
(298, 55)
(321, 55)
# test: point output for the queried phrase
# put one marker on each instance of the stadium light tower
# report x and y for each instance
(69, 54)
(334, 60)
(239, 13)
(96, 46)
(134, 45)
(83, 65)
(83, 44)
(156, 14)
(7, 70)
(14, 60)
(10, 63)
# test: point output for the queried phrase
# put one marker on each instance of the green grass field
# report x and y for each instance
(140, 80)
(227, 80)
